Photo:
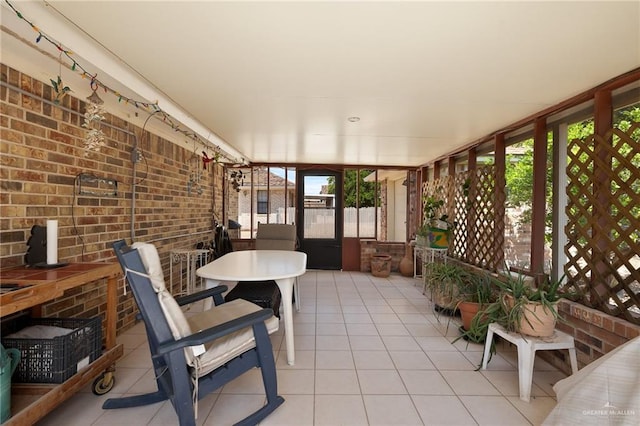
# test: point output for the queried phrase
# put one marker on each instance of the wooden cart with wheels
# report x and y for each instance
(37, 286)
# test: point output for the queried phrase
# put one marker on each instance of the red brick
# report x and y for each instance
(11, 161)
(12, 111)
(632, 331)
(24, 127)
(596, 319)
(61, 137)
(43, 166)
(27, 175)
(619, 328)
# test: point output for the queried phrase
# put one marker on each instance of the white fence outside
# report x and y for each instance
(319, 223)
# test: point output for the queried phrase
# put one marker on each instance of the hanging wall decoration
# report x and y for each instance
(93, 116)
(206, 159)
(195, 176)
(59, 89)
(236, 179)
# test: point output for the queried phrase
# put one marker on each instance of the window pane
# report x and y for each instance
(238, 203)
(319, 208)
(259, 194)
(291, 195)
(362, 204)
(262, 202)
(260, 209)
(519, 180)
(368, 204)
(350, 195)
(281, 196)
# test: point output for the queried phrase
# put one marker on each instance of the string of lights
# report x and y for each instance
(95, 83)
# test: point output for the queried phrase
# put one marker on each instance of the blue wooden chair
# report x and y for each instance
(196, 355)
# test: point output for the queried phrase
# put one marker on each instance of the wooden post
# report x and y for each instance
(424, 177)
(538, 209)
(472, 161)
(603, 122)
(500, 200)
(472, 167)
(451, 191)
(408, 216)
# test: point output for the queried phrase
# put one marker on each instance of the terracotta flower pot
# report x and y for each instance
(538, 320)
(468, 310)
(406, 264)
(381, 265)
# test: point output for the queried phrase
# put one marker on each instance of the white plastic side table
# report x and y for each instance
(188, 259)
(527, 347)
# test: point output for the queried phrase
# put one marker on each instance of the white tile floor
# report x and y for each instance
(369, 351)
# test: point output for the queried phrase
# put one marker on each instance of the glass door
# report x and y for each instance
(319, 221)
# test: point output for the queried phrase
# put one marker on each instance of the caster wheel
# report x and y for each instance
(104, 383)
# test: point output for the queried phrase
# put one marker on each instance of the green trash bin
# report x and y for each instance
(9, 360)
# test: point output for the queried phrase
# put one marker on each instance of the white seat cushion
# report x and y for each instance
(151, 261)
(275, 245)
(217, 352)
(226, 348)
(275, 236)
(172, 312)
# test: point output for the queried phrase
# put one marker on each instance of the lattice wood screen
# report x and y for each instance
(438, 188)
(486, 240)
(603, 228)
(471, 200)
(458, 242)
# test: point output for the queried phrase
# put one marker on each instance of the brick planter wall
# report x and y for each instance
(370, 247)
(595, 334)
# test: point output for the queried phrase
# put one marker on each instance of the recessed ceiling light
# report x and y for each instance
(353, 119)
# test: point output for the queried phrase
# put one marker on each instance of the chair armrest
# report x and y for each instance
(216, 332)
(203, 294)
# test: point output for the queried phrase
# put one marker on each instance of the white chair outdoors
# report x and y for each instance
(269, 236)
(279, 236)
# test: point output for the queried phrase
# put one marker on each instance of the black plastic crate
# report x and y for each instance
(54, 360)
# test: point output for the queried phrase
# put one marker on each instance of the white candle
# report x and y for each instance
(52, 242)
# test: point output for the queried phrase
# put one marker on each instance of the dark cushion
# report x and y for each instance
(263, 293)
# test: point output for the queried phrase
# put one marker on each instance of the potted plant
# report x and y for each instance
(436, 226)
(479, 325)
(444, 281)
(422, 235)
(477, 292)
(532, 310)
(519, 307)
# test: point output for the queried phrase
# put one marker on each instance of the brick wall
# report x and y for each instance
(595, 334)
(42, 153)
(369, 247)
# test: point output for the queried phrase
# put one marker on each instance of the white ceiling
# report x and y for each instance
(277, 81)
